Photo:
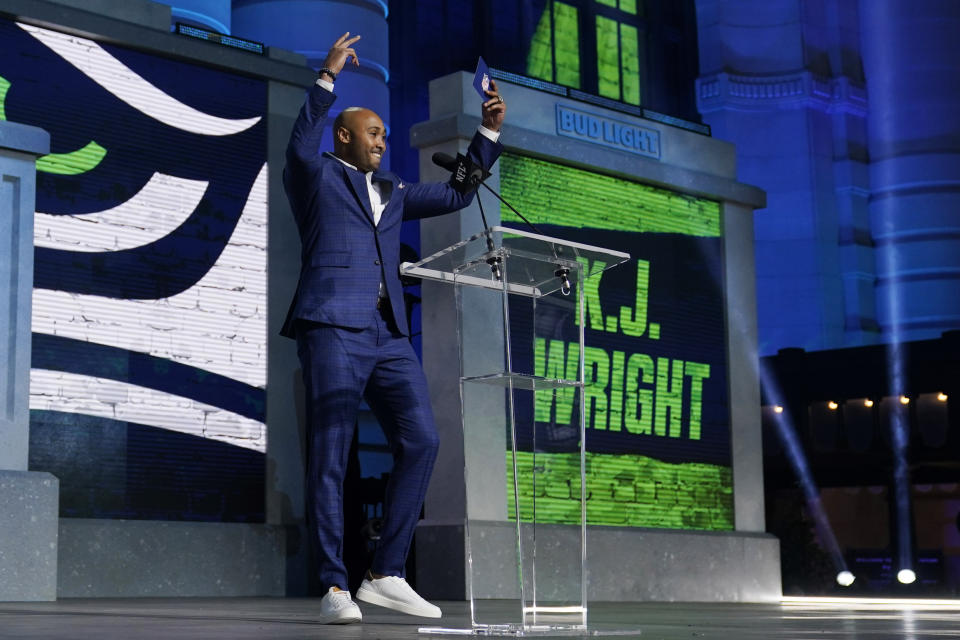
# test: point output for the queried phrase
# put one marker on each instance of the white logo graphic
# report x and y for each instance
(123, 82)
(217, 325)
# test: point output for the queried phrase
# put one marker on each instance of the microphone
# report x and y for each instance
(445, 160)
(466, 175)
(564, 274)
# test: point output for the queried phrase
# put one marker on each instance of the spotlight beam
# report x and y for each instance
(801, 468)
(899, 444)
(899, 424)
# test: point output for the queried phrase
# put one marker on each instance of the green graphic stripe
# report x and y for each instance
(623, 490)
(556, 39)
(549, 193)
(567, 39)
(73, 163)
(630, 63)
(627, 6)
(540, 57)
(64, 164)
(608, 67)
(4, 87)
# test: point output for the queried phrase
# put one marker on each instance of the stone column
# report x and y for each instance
(782, 81)
(29, 500)
(453, 495)
(910, 51)
(307, 29)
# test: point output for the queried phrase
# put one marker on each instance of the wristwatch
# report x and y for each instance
(325, 70)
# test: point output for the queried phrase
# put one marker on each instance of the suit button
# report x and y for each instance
(376, 262)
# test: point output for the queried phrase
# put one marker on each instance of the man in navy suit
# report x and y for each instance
(349, 320)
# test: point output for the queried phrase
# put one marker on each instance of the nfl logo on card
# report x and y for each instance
(481, 79)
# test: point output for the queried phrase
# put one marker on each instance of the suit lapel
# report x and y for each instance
(358, 184)
(385, 182)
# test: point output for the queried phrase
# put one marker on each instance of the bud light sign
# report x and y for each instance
(624, 136)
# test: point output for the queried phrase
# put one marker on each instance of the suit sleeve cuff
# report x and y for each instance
(326, 84)
(492, 136)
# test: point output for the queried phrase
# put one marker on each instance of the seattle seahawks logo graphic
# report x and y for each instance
(150, 235)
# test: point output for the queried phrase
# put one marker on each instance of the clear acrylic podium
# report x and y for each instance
(520, 312)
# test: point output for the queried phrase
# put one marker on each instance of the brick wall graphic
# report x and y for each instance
(149, 309)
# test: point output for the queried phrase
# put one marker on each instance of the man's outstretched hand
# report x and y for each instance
(341, 52)
(494, 109)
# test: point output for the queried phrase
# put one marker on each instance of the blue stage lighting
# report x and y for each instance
(899, 442)
(786, 431)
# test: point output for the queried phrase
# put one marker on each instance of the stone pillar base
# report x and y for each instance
(624, 564)
(29, 518)
(102, 558)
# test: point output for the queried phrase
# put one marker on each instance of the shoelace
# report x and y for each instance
(395, 580)
(403, 586)
(341, 599)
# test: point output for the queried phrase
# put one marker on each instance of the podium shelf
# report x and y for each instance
(522, 381)
(531, 263)
(487, 282)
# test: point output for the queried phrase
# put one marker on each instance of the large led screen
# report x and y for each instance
(149, 308)
(656, 398)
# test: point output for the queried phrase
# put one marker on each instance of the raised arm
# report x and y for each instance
(495, 109)
(304, 145)
(427, 200)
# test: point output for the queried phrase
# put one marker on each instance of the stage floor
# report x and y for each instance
(282, 619)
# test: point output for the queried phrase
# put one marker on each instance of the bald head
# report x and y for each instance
(360, 138)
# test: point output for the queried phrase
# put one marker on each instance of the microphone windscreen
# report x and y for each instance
(445, 160)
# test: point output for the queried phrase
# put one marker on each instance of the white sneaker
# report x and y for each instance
(394, 593)
(337, 608)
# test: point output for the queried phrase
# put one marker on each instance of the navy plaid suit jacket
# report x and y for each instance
(342, 251)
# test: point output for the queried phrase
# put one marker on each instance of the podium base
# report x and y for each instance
(524, 631)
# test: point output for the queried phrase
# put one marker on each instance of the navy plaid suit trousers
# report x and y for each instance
(378, 364)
